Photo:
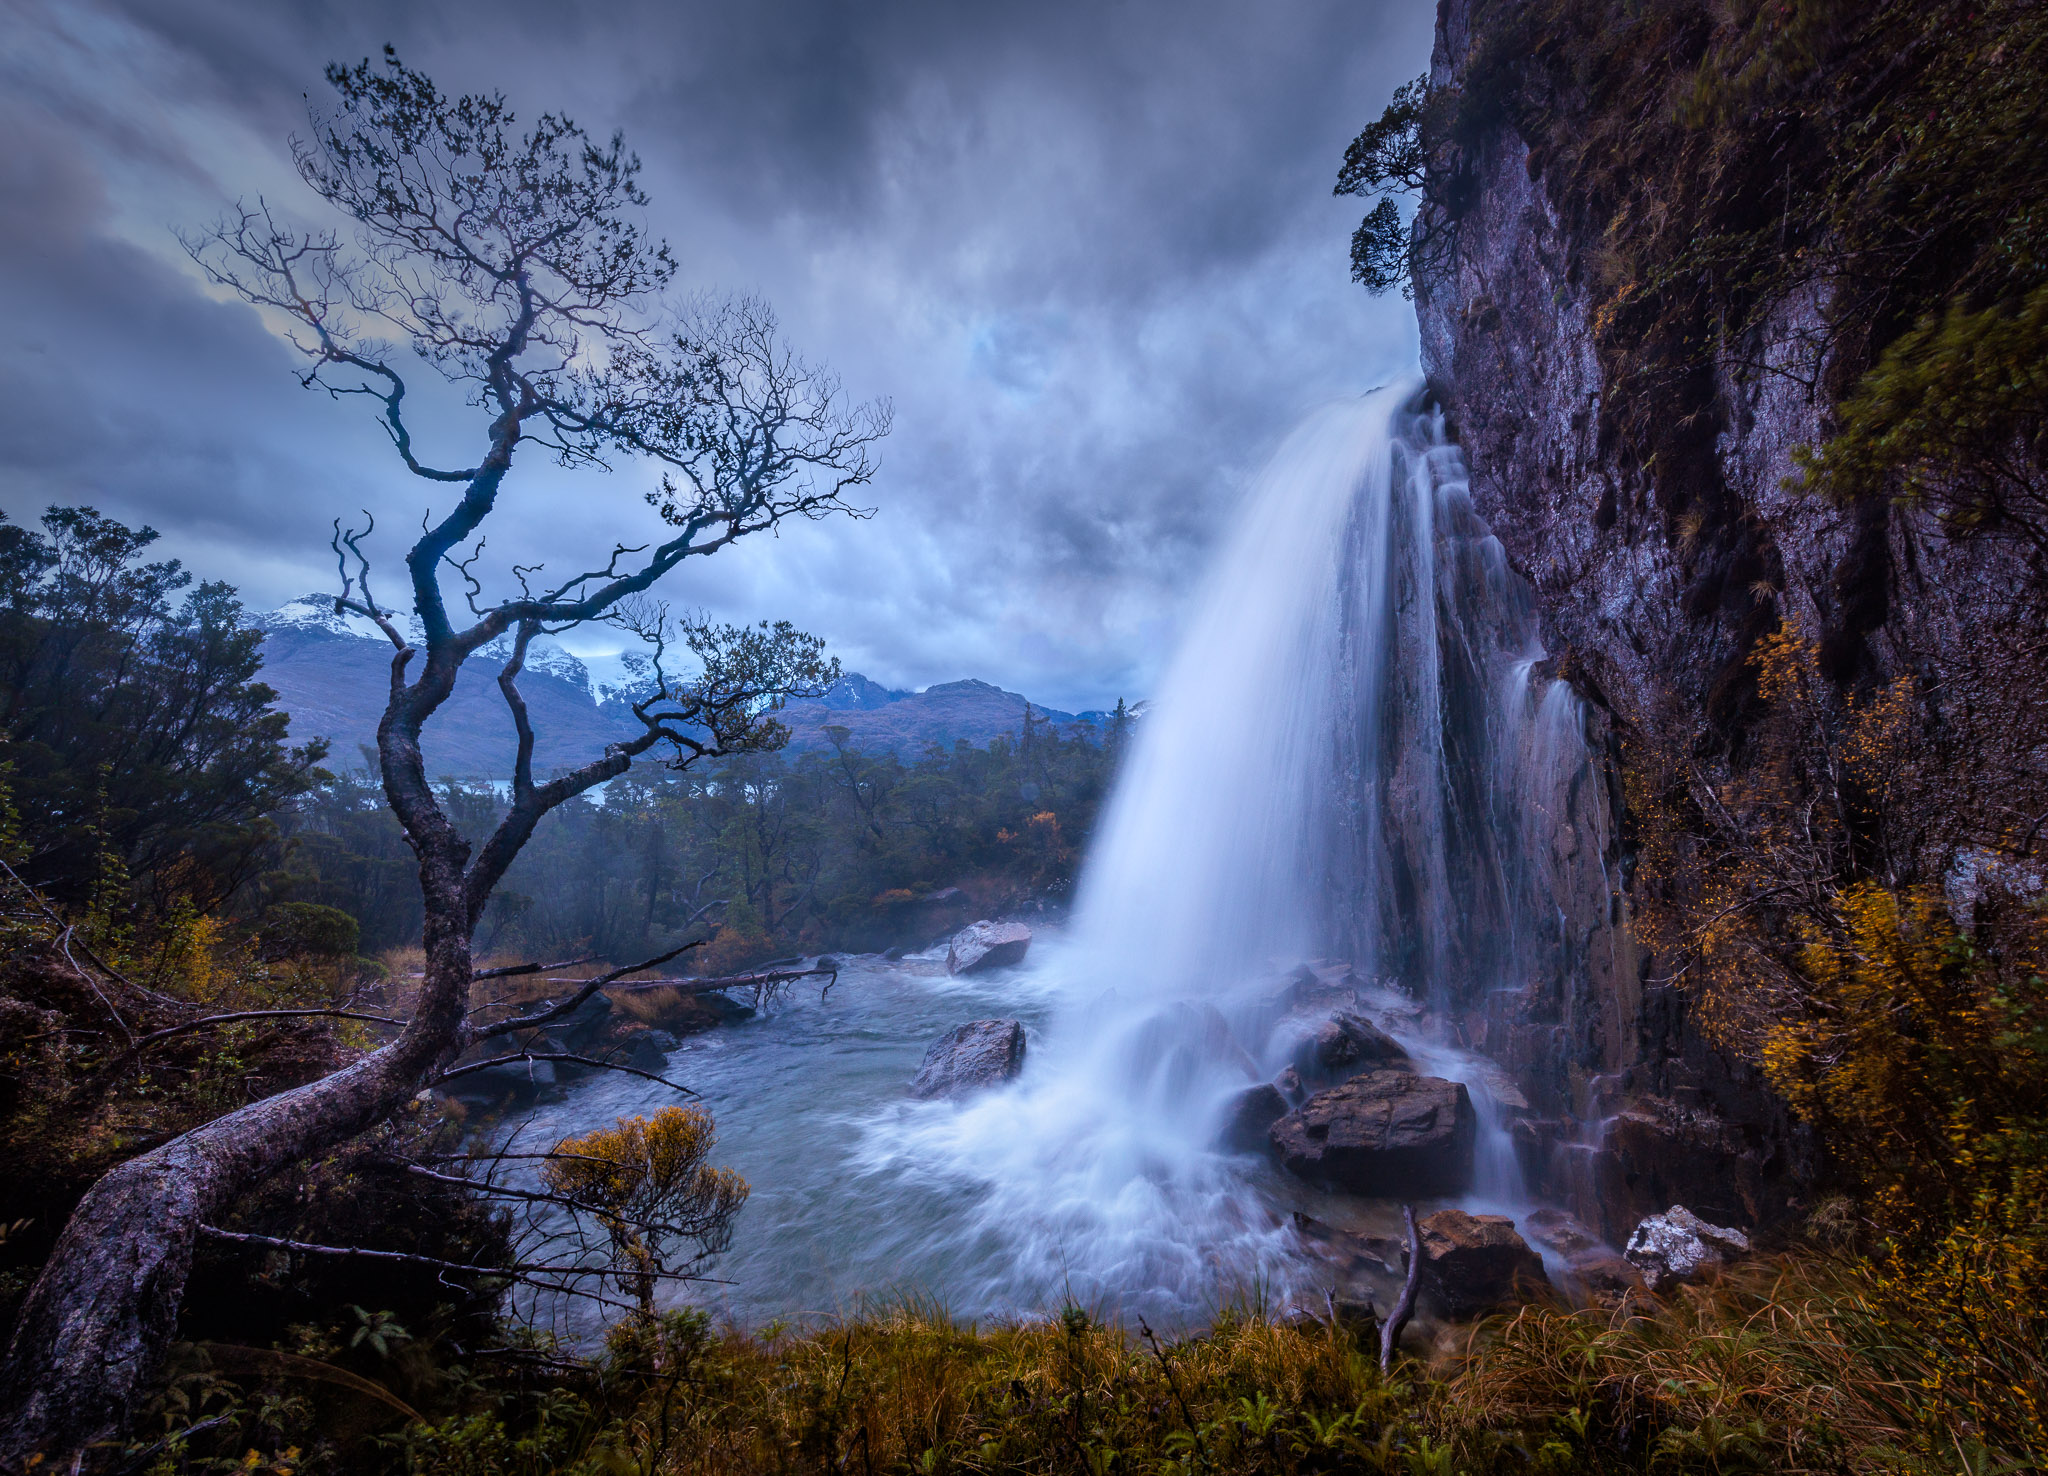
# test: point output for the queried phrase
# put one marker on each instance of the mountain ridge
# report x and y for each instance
(330, 670)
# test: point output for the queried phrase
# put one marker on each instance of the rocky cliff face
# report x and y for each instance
(1654, 584)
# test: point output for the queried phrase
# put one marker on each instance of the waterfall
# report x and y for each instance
(1352, 755)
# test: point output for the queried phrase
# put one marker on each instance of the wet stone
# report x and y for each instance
(981, 1053)
(1250, 1114)
(1474, 1263)
(987, 945)
(1389, 1133)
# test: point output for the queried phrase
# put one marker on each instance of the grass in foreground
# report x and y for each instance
(1808, 1367)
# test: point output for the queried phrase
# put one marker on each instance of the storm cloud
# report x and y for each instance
(1088, 250)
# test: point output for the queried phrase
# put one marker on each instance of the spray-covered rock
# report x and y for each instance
(987, 945)
(1386, 1132)
(981, 1053)
(1251, 1115)
(1346, 1044)
(1679, 1246)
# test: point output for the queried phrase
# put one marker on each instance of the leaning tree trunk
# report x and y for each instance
(95, 1324)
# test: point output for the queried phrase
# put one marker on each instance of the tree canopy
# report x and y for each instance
(138, 740)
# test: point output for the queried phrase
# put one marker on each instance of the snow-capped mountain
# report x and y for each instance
(315, 613)
(545, 655)
(332, 672)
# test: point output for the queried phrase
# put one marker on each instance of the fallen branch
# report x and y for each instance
(513, 971)
(64, 947)
(1397, 1319)
(535, 1196)
(1187, 1415)
(517, 1270)
(68, 934)
(575, 1001)
(209, 1021)
(714, 986)
(448, 1076)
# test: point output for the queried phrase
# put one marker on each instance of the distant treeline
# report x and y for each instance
(834, 849)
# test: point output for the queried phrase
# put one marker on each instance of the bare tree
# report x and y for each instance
(512, 263)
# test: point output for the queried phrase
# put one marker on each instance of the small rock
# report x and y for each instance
(1289, 1082)
(981, 1053)
(1347, 1044)
(647, 1050)
(1679, 1246)
(1387, 1132)
(987, 945)
(1351, 1253)
(1601, 1274)
(1509, 1101)
(1322, 983)
(893, 954)
(1250, 1114)
(1555, 1230)
(1474, 1263)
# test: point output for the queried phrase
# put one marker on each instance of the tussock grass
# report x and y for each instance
(1808, 1366)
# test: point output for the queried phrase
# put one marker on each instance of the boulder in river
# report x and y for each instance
(1474, 1263)
(987, 945)
(1386, 1132)
(1679, 1246)
(981, 1053)
(1250, 1115)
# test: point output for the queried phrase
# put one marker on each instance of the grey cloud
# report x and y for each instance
(1087, 248)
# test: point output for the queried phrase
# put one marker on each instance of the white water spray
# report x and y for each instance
(1337, 762)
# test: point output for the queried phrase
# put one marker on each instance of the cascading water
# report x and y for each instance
(1355, 756)
(1338, 762)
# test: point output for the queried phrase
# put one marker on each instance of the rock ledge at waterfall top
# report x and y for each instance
(1383, 1133)
(987, 945)
(981, 1053)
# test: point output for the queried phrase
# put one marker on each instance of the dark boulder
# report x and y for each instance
(1346, 1044)
(646, 1050)
(987, 945)
(1474, 1263)
(981, 1053)
(1250, 1115)
(1387, 1133)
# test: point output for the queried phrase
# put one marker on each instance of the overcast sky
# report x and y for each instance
(1088, 250)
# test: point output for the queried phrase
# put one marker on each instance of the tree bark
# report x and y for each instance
(1390, 1330)
(95, 1324)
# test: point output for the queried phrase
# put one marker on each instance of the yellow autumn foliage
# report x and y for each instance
(647, 1183)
